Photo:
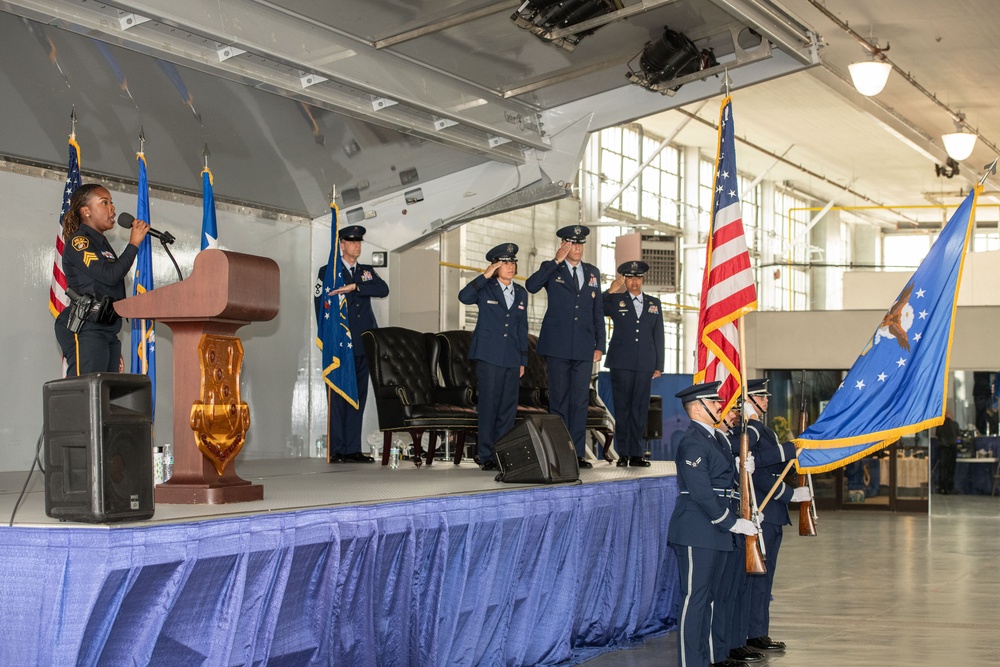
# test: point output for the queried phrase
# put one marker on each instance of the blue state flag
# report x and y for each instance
(899, 384)
(334, 335)
(143, 341)
(209, 226)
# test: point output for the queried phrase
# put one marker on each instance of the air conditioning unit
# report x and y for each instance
(659, 251)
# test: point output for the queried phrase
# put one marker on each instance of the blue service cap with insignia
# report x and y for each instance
(758, 387)
(352, 233)
(704, 390)
(635, 269)
(505, 252)
(574, 233)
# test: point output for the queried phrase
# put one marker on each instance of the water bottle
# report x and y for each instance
(394, 455)
(158, 471)
(168, 461)
(321, 447)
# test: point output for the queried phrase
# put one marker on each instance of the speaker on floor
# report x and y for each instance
(538, 450)
(98, 448)
(654, 419)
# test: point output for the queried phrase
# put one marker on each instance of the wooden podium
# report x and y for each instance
(225, 291)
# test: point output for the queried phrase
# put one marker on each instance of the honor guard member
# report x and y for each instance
(572, 335)
(635, 357)
(499, 345)
(771, 459)
(361, 285)
(731, 617)
(87, 329)
(702, 522)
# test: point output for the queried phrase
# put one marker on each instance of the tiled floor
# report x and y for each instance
(880, 590)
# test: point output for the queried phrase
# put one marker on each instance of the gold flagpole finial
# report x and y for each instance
(333, 193)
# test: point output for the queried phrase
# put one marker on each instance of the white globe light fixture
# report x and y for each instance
(959, 144)
(870, 76)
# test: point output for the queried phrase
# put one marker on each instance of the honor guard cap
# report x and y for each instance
(706, 390)
(352, 233)
(758, 387)
(633, 269)
(505, 252)
(574, 233)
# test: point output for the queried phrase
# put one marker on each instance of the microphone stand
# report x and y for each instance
(166, 238)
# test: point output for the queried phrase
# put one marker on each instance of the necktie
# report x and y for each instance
(508, 295)
(576, 279)
(637, 303)
(350, 272)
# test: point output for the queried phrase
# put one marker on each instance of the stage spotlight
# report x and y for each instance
(671, 56)
(949, 170)
(543, 17)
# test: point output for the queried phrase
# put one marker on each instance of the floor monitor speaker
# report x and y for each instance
(97, 448)
(538, 450)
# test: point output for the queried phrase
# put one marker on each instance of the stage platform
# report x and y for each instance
(348, 564)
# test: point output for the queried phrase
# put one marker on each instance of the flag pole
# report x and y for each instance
(754, 544)
(777, 482)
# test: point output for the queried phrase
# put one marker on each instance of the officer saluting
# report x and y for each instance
(702, 521)
(361, 285)
(635, 356)
(572, 335)
(499, 345)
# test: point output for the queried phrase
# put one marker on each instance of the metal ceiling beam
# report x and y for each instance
(604, 19)
(281, 49)
(431, 26)
(774, 23)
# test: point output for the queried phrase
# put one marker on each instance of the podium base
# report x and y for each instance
(203, 494)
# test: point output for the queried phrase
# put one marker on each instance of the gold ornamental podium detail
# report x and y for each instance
(220, 419)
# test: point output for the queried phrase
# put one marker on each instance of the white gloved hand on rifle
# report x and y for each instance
(743, 527)
(801, 494)
(750, 466)
(750, 410)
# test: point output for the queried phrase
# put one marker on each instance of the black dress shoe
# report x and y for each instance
(584, 463)
(765, 643)
(489, 465)
(622, 462)
(358, 457)
(746, 655)
(729, 662)
(336, 458)
(638, 462)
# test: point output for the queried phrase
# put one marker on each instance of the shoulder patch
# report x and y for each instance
(80, 243)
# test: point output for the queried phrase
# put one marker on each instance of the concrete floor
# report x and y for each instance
(879, 590)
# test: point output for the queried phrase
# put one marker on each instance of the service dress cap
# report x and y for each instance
(574, 233)
(635, 269)
(704, 390)
(352, 233)
(758, 387)
(505, 252)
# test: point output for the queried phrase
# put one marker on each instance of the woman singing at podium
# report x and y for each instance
(87, 329)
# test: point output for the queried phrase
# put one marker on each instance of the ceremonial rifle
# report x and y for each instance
(754, 545)
(807, 513)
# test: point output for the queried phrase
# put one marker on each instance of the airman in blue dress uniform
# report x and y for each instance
(635, 357)
(572, 336)
(771, 458)
(361, 285)
(499, 345)
(702, 523)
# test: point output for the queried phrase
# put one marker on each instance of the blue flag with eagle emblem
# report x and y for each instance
(334, 335)
(143, 339)
(899, 384)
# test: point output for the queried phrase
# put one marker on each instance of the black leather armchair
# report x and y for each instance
(403, 365)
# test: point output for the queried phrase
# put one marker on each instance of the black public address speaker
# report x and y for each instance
(98, 448)
(654, 419)
(538, 450)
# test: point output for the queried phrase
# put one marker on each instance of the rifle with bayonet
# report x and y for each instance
(807, 510)
(748, 504)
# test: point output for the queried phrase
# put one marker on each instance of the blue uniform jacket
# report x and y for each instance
(359, 302)
(573, 326)
(501, 335)
(705, 472)
(770, 459)
(636, 342)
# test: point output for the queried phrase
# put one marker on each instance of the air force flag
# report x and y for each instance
(899, 384)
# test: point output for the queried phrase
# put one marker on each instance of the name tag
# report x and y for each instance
(492, 302)
(560, 280)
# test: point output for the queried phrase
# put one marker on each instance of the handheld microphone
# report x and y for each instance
(126, 219)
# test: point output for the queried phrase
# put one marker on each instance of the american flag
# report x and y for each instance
(57, 290)
(728, 291)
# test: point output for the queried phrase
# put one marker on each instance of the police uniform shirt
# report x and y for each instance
(637, 339)
(573, 325)
(92, 266)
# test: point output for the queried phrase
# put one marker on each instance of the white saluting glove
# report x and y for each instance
(801, 494)
(760, 518)
(750, 465)
(750, 410)
(743, 527)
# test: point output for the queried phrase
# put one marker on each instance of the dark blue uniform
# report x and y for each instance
(699, 534)
(634, 353)
(572, 330)
(344, 422)
(500, 348)
(770, 458)
(92, 267)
